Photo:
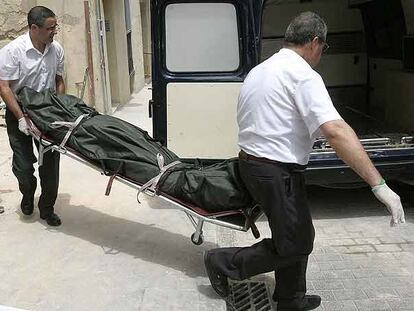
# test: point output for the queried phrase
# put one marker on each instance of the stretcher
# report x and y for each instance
(240, 219)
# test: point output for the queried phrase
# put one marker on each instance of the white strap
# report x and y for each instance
(43, 150)
(61, 148)
(70, 125)
(150, 186)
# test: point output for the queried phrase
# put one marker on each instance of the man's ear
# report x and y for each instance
(34, 27)
(315, 42)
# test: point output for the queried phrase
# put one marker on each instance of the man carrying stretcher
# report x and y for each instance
(283, 105)
(32, 60)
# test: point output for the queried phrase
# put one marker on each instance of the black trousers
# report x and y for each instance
(23, 159)
(280, 190)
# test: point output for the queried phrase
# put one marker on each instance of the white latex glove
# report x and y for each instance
(392, 201)
(23, 126)
(27, 127)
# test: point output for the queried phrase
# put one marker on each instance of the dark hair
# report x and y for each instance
(38, 15)
(304, 28)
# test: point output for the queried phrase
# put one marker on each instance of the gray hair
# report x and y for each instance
(304, 28)
(38, 15)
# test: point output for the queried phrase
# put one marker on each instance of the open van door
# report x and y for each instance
(202, 51)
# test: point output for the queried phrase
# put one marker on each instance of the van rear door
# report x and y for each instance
(202, 51)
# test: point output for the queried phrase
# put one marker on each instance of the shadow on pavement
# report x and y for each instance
(142, 241)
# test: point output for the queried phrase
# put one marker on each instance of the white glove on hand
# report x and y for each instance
(23, 126)
(392, 201)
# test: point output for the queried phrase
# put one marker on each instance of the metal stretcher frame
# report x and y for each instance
(240, 220)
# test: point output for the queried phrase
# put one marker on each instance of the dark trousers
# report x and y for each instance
(23, 159)
(280, 190)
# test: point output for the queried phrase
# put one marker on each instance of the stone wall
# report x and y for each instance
(13, 19)
(13, 23)
(73, 37)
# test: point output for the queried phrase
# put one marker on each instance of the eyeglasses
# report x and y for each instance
(325, 46)
(53, 28)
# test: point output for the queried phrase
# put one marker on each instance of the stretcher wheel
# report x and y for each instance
(199, 241)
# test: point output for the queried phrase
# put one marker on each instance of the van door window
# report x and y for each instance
(192, 43)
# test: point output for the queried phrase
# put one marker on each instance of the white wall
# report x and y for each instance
(117, 50)
(137, 46)
(146, 35)
(72, 37)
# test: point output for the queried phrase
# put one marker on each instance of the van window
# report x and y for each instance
(192, 43)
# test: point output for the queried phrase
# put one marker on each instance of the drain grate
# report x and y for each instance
(249, 296)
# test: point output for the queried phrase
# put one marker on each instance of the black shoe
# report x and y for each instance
(218, 280)
(27, 206)
(309, 302)
(52, 220)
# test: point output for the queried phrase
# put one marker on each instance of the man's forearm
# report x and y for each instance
(348, 147)
(61, 89)
(10, 99)
(60, 85)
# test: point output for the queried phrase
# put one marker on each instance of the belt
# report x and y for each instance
(290, 166)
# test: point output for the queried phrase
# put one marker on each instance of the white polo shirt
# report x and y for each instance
(22, 62)
(282, 104)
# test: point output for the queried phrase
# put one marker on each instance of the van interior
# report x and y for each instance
(369, 66)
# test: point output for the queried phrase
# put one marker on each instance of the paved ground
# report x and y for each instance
(114, 254)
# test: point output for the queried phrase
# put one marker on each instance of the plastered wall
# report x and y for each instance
(73, 38)
(146, 36)
(137, 43)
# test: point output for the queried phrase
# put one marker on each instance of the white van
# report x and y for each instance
(202, 51)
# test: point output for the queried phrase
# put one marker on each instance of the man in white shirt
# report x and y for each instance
(283, 105)
(34, 60)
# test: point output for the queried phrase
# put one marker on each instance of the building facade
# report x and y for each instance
(107, 45)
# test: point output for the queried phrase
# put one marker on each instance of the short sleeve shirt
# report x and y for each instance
(281, 106)
(22, 63)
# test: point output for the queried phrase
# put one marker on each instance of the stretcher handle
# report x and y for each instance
(254, 229)
(111, 179)
(250, 222)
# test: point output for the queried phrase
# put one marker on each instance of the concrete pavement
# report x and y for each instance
(112, 253)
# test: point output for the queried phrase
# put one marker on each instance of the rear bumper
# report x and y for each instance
(327, 169)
